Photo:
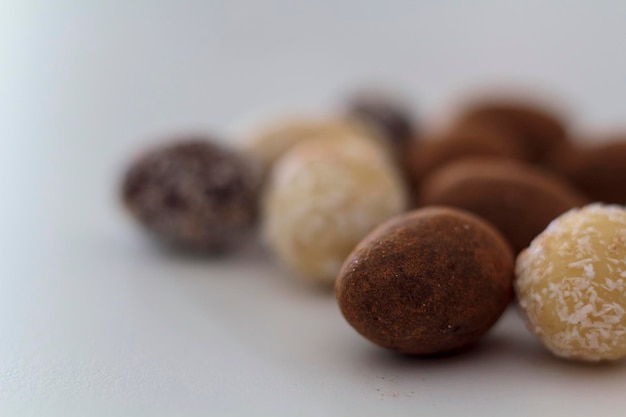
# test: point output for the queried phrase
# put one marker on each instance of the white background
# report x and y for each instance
(96, 321)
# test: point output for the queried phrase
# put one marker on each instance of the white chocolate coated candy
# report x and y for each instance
(571, 284)
(323, 197)
(270, 144)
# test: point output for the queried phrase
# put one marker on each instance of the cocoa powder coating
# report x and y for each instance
(428, 155)
(518, 199)
(598, 169)
(430, 281)
(537, 129)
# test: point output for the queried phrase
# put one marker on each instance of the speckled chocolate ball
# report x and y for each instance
(194, 193)
(429, 281)
(597, 169)
(537, 129)
(518, 199)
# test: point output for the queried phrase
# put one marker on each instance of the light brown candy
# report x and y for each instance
(323, 197)
(270, 143)
(571, 284)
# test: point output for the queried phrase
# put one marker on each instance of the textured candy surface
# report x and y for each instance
(323, 197)
(194, 193)
(571, 284)
(429, 281)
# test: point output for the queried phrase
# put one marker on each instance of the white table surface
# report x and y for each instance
(97, 321)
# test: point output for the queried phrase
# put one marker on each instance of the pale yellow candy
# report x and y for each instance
(323, 197)
(571, 284)
(270, 143)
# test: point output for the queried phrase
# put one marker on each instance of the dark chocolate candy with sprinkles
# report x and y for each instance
(193, 193)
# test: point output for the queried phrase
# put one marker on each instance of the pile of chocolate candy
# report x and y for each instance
(417, 232)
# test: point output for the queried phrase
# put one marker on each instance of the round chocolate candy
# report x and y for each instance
(597, 169)
(518, 199)
(571, 284)
(428, 155)
(323, 197)
(429, 281)
(194, 193)
(538, 130)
